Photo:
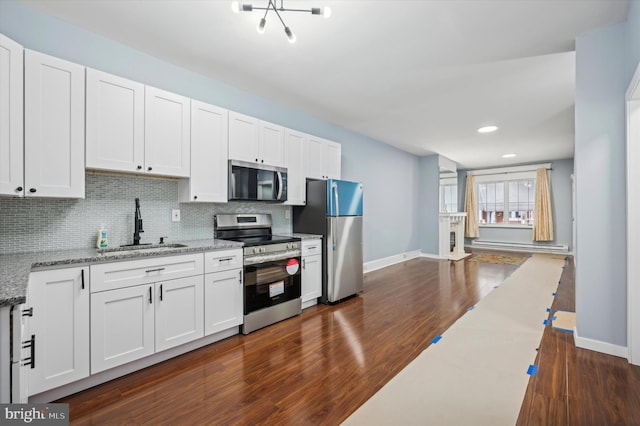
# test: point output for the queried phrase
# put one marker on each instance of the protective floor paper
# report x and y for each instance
(477, 372)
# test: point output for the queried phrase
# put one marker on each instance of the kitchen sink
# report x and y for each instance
(140, 247)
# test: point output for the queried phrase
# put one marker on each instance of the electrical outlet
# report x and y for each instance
(175, 215)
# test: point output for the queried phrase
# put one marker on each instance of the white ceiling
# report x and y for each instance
(418, 75)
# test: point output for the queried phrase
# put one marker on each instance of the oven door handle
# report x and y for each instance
(263, 258)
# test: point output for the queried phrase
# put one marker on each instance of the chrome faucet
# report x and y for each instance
(137, 224)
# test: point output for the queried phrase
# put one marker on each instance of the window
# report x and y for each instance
(506, 202)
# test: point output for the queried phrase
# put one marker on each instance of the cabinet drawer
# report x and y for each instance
(311, 247)
(109, 276)
(223, 260)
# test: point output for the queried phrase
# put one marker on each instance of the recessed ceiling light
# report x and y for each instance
(508, 155)
(487, 129)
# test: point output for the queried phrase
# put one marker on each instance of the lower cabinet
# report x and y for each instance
(222, 300)
(133, 322)
(223, 290)
(55, 339)
(311, 272)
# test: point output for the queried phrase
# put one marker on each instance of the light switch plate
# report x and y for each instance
(175, 215)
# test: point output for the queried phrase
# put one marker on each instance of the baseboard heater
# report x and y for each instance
(520, 246)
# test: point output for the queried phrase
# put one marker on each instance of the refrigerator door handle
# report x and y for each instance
(334, 187)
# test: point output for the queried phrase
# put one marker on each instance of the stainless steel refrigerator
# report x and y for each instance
(334, 210)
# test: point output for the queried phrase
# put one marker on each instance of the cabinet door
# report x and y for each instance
(59, 326)
(331, 159)
(166, 133)
(313, 158)
(311, 279)
(11, 121)
(209, 143)
(115, 123)
(244, 137)
(222, 301)
(122, 326)
(179, 312)
(53, 127)
(294, 162)
(271, 144)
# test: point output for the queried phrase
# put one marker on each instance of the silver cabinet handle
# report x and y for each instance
(154, 270)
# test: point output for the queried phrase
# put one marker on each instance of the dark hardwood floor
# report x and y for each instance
(317, 368)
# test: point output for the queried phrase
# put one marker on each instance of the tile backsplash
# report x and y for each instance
(35, 224)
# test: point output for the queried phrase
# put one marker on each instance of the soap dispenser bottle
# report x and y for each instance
(102, 242)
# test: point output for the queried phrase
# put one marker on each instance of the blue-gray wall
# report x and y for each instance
(561, 193)
(429, 204)
(605, 62)
(390, 176)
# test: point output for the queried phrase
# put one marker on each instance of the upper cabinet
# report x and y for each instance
(294, 145)
(209, 133)
(53, 127)
(136, 128)
(115, 123)
(11, 118)
(255, 141)
(322, 159)
(167, 133)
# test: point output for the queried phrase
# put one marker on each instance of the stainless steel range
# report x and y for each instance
(272, 284)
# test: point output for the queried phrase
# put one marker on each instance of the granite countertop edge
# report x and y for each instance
(15, 268)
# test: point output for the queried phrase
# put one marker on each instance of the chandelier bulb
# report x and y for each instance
(326, 12)
(235, 7)
(260, 27)
(291, 36)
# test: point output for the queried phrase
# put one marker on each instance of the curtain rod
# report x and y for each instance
(514, 169)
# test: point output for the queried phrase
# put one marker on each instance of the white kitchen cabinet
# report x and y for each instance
(271, 144)
(223, 292)
(255, 141)
(322, 159)
(115, 123)
(311, 272)
(294, 143)
(11, 118)
(122, 326)
(139, 307)
(57, 332)
(179, 312)
(54, 127)
(167, 132)
(209, 144)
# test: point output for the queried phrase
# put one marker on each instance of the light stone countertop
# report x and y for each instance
(15, 268)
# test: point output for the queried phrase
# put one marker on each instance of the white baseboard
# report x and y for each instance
(391, 260)
(433, 256)
(598, 346)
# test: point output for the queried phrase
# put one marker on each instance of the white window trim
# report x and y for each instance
(506, 174)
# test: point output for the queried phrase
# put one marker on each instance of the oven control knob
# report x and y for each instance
(256, 250)
(263, 249)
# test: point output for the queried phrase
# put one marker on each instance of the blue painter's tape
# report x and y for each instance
(532, 370)
(545, 322)
(554, 294)
(548, 309)
(559, 282)
(563, 329)
(566, 258)
(436, 339)
(471, 308)
(553, 318)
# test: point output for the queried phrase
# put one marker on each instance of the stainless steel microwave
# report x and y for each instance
(256, 182)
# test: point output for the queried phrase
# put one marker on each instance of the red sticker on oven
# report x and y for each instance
(292, 266)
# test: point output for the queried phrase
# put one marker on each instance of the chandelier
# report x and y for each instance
(236, 7)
